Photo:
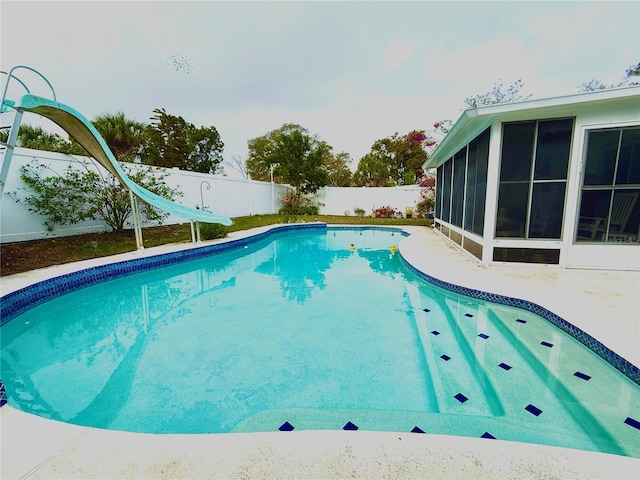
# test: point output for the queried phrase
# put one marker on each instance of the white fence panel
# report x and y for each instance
(232, 197)
(339, 200)
(17, 223)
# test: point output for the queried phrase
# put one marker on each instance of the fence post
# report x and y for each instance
(273, 190)
(250, 196)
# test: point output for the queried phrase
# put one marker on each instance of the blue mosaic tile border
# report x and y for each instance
(3, 394)
(623, 366)
(397, 229)
(18, 302)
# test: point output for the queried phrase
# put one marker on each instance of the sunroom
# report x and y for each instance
(553, 181)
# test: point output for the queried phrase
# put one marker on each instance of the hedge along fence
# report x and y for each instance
(232, 197)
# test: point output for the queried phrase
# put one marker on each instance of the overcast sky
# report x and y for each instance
(351, 72)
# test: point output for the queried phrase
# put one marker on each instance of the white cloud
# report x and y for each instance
(353, 72)
(473, 70)
(398, 52)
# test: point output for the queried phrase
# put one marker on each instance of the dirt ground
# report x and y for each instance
(23, 256)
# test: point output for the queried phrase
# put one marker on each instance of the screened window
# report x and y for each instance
(476, 187)
(610, 198)
(457, 191)
(461, 186)
(533, 178)
(446, 191)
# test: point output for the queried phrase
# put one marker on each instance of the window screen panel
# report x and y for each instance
(470, 190)
(446, 190)
(602, 150)
(512, 209)
(594, 215)
(552, 149)
(477, 164)
(624, 219)
(547, 207)
(457, 194)
(628, 171)
(517, 151)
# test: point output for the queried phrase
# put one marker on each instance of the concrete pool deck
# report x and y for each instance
(604, 304)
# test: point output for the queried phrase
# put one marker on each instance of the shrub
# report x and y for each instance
(289, 209)
(211, 231)
(385, 212)
(427, 197)
(424, 207)
(85, 194)
(293, 204)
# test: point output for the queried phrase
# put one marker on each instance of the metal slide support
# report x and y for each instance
(145, 308)
(197, 232)
(13, 133)
(10, 146)
(193, 232)
(135, 213)
(273, 190)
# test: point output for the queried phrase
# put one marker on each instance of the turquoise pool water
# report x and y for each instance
(323, 329)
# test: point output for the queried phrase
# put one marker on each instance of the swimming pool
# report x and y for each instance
(442, 362)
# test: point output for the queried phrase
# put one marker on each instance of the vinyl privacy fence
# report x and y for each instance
(232, 197)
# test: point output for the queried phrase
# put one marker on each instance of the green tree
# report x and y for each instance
(83, 194)
(173, 142)
(36, 137)
(631, 77)
(125, 137)
(372, 171)
(395, 160)
(337, 167)
(297, 159)
(410, 155)
(632, 73)
(239, 164)
(497, 95)
(262, 153)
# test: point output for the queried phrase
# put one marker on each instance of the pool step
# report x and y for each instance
(450, 360)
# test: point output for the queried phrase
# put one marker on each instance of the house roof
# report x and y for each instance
(475, 120)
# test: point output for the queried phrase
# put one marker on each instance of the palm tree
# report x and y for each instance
(123, 136)
(36, 137)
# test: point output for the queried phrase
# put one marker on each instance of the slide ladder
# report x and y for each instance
(83, 132)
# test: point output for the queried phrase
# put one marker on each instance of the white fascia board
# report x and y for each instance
(473, 121)
(466, 128)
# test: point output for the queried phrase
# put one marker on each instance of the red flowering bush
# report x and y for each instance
(385, 212)
(427, 182)
(427, 196)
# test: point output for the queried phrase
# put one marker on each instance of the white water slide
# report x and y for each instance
(83, 131)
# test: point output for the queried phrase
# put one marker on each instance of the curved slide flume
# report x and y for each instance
(83, 131)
